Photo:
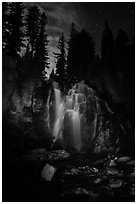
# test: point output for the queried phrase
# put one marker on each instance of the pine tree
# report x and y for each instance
(107, 47)
(85, 53)
(71, 54)
(81, 53)
(13, 35)
(122, 46)
(41, 54)
(5, 25)
(32, 29)
(61, 61)
(124, 60)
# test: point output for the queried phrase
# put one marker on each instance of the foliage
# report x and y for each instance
(12, 30)
(81, 53)
(41, 54)
(36, 52)
(61, 61)
(107, 47)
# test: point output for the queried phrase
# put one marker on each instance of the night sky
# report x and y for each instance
(88, 15)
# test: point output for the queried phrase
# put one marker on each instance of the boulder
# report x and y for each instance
(115, 183)
(123, 159)
(48, 172)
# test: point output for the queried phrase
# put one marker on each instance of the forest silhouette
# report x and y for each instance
(88, 94)
(76, 58)
(112, 74)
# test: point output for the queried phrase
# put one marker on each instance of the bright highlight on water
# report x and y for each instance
(75, 115)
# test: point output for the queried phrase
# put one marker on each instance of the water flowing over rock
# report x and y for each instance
(82, 121)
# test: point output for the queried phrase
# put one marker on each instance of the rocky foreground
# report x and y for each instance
(57, 175)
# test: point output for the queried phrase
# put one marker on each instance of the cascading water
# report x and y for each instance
(77, 116)
(76, 129)
(59, 113)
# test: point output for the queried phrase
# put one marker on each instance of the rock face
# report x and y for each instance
(9, 78)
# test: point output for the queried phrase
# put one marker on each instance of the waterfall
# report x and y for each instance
(75, 117)
(76, 130)
(59, 113)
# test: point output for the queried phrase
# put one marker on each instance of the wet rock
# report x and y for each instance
(39, 151)
(95, 170)
(75, 191)
(87, 170)
(32, 158)
(98, 162)
(112, 163)
(80, 191)
(98, 180)
(115, 183)
(48, 172)
(41, 155)
(131, 177)
(75, 171)
(121, 174)
(123, 159)
(132, 190)
(83, 171)
(57, 155)
(112, 171)
(131, 163)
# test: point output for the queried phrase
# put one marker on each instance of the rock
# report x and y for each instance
(83, 191)
(112, 163)
(132, 163)
(93, 194)
(115, 159)
(82, 170)
(42, 155)
(98, 180)
(75, 191)
(75, 171)
(98, 162)
(120, 174)
(79, 191)
(123, 159)
(34, 158)
(132, 190)
(112, 171)
(115, 183)
(131, 177)
(95, 170)
(58, 155)
(39, 151)
(48, 172)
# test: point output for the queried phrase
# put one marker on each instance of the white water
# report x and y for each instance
(69, 105)
(71, 110)
(59, 113)
(76, 130)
